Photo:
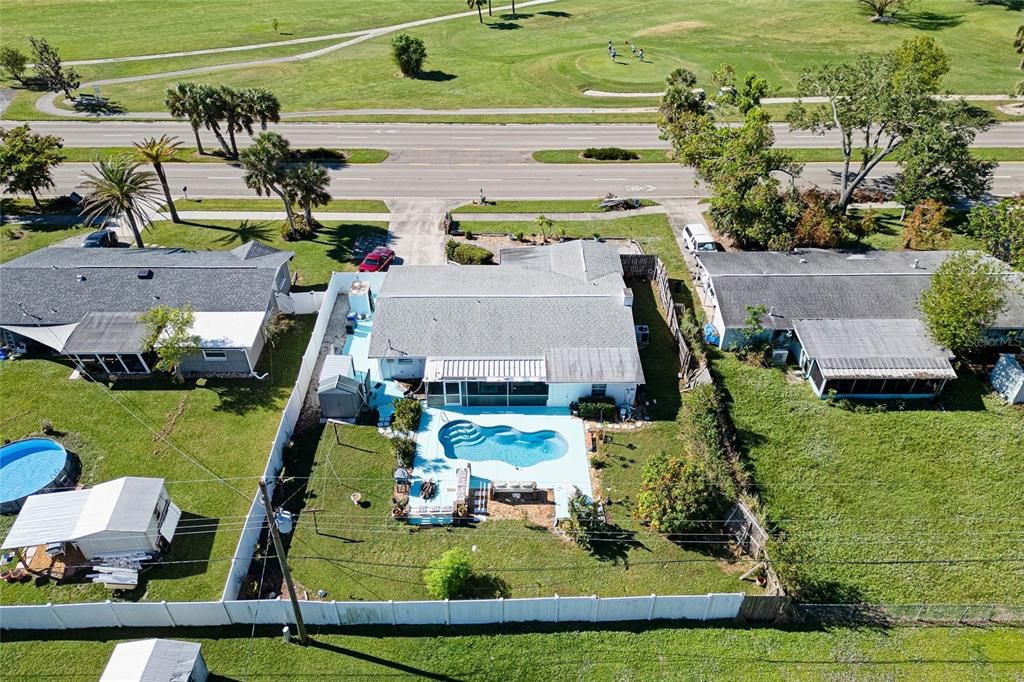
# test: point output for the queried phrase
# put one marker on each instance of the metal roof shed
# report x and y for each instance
(1008, 379)
(156, 660)
(340, 389)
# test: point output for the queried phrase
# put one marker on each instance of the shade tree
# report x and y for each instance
(27, 161)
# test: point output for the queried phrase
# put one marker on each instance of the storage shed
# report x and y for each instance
(156, 660)
(1008, 379)
(129, 514)
(342, 391)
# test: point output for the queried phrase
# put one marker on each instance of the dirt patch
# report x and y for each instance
(1013, 109)
(672, 29)
(537, 514)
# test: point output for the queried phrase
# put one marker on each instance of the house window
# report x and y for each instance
(599, 390)
(405, 361)
(217, 355)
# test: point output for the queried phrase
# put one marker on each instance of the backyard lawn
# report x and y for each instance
(337, 247)
(549, 56)
(360, 553)
(856, 489)
(226, 425)
(627, 652)
(17, 240)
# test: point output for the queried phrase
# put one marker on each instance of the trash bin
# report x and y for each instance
(350, 323)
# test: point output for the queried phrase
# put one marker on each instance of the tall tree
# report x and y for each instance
(885, 8)
(265, 172)
(183, 101)
(1000, 228)
(261, 105)
(967, 293)
(1018, 44)
(120, 188)
(235, 113)
(50, 67)
(307, 185)
(479, 4)
(159, 151)
(211, 106)
(879, 102)
(13, 63)
(27, 160)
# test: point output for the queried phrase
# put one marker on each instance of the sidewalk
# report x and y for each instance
(279, 215)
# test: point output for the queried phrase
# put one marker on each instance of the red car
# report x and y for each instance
(378, 260)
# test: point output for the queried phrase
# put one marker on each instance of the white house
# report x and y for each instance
(128, 514)
(156, 660)
(547, 327)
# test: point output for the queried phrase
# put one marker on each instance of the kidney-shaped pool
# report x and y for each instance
(466, 440)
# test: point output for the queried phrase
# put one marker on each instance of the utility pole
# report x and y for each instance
(279, 548)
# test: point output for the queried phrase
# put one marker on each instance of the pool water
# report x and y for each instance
(463, 439)
(30, 466)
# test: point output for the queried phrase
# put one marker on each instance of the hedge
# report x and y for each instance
(609, 154)
(468, 254)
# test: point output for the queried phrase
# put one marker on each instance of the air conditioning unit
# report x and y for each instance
(780, 356)
(643, 335)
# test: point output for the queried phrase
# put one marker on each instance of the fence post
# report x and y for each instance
(56, 617)
(167, 609)
(501, 609)
(650, 613)
(593, 610)
(707, 606)
(227, 614)
(394, 617)
(113, 612)
(447, 612)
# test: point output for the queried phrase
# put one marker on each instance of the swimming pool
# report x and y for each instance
(30, 466)
(463, 439)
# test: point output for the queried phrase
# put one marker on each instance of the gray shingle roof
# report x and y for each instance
(62, 285)
(832, 285)
(581, 259)
(874, 348)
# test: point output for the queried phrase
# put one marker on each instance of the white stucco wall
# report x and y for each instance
(560, 395)
(397, 369)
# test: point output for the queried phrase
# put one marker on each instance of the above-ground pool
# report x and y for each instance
(30, 466)
(466, 440)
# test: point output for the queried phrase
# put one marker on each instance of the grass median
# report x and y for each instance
(801, 154)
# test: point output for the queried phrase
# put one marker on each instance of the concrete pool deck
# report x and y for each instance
(560, 475)
(384, 393)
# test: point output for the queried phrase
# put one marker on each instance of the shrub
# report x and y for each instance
(447, 576)
(409, 54)
(407, 414)
(469, 235)
(596, 408)
(46, 426)
(609, 154)
(471, 254)
(925, 228)
(584, 520)
(405, 451)
(301, 231)
(679, 493)
(449, 249)
(518, 236)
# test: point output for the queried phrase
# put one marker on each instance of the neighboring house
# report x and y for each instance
(129, 514)
(156, 660)
(851, 319)
(85, 303)
(547, 327)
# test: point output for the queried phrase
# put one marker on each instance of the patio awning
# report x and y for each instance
(485, 369)
(54, 336)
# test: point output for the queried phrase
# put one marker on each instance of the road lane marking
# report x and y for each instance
(611, 179)
(223, 177)
(455, 137)
(117, 135)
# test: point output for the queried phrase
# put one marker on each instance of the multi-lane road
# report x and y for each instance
(452, 137)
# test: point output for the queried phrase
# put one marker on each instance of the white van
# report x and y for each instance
(697, 237)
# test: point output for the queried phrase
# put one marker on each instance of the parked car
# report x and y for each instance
(696, 234)
(378, 260)
(100, 239)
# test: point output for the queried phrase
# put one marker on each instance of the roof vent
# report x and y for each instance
(803, 261)
(80, 278)
(145, 274)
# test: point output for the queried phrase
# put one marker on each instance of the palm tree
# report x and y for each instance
(159, 151)
(182, 101)
(307, 185)
(120, 188)
(261, 105)
(211, 108)
(265, 170)
(1018, 43)
(479, 4)
(233, 109)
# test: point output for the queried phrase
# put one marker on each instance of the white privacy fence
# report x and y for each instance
(278, 612)
(340, 283)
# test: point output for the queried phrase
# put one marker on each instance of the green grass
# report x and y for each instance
(190, 155)
(335, 205)
(155, 27)
(359, 553)
(918, 483)
(802, 154)
(225, 424)
(651, 231)
(889, 236)
(537, 207)
(336, 247)
(17, 240)
(550, 59)
(627, 652)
